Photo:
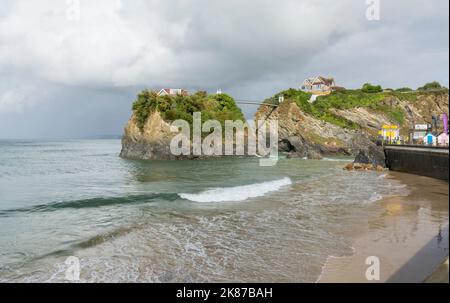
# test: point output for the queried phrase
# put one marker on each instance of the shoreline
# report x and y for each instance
(440, 275)
(408, 234)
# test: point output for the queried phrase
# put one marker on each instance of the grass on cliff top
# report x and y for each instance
(356, 98)
(346, 99)
(314, 109)
(217, 107)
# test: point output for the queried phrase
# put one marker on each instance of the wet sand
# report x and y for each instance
(408, 235)
(440, 275)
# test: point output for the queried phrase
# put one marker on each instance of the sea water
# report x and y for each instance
(224, 220)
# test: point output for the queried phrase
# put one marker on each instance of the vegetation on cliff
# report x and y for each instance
(431, 86)
(348, 99)
(371, 89)
(219, 107)
(371, 97)
(357, 98)
(404, 89)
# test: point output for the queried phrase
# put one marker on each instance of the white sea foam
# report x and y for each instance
(335, 160)
(375, 197)
(238, 193)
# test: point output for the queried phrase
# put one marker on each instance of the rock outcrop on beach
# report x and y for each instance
(364, 167)
(152, 142)
(373, 155)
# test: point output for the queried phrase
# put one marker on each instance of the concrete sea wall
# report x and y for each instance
(423, 161)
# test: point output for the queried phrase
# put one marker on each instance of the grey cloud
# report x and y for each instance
(64, 78)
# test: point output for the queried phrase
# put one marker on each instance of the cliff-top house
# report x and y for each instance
(318, 85)
(173, 92)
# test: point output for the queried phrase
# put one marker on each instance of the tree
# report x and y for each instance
(403, 89)
(431, 86)
(220, 107)
(225, 102)
(146, 103)
(371, 89)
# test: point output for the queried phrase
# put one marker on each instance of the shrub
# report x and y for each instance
(146, 103)
(369, 88)
(431, 86)
(404, 89)
(292, 95)
(220, 107)
(339, 89)
(397, 115)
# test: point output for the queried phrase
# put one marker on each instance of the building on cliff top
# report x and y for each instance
(319, 85)
(173, 92)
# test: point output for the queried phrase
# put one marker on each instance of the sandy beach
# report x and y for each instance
(409, 237)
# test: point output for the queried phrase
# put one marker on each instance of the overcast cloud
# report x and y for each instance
(64, 78)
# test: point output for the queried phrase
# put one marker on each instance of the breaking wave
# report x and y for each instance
(237, 193)
(93, 203)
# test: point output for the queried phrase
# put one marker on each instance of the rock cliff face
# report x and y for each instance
(303, 135)
(152, 143)
(418, 110)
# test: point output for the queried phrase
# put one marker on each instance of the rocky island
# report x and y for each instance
(148, 132)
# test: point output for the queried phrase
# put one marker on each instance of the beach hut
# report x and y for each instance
(430, 139)
(442, 139)
(390, 133)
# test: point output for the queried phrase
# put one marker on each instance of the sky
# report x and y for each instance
(71, 69)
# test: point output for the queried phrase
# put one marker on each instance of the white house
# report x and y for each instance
(173, 92)
(318, 85)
